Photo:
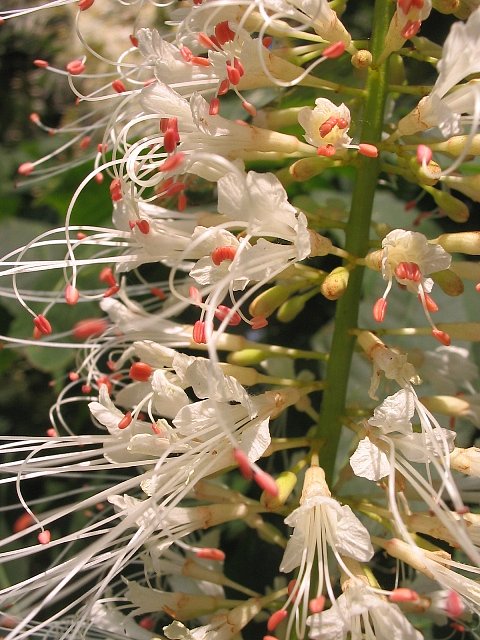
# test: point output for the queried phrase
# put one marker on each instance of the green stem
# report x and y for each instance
(357, 243)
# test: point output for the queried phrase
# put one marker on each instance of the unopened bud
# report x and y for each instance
(466, 461)
(396, 70)
(320, 245)
(446, 6)
(456, 145)
(464, 242)
(449, 282)
(373, 260)
(335, 284)
(307, 168)
(285, 482)
(452, 406)
(291, 308)
(268, 301)
(247, 357)
(426, 175)
(468, 185)
(451, 206)
(362, 59)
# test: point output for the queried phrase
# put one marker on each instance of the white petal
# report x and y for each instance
(369, 461)
(353, 539)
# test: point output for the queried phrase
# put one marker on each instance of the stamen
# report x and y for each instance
(75, 67)
(258, 322)
(454, 605)
(199, 332)
(380, 310)
(276, 618)
(83, 5)
(243, 463)
(424, 154)
(71, 294)
(158, 293)
(210, 554)
(43, 325)
(143, 226)
(41, 64)
(90, 327)
(140, 371)
(118, 86)
(249, 108)
(172, 162)
(26, 168)
(403, 595)
(221, 313)
(368, 150)
(220, 254)
(44, 537)
(335, 50)
(266, 482)
(327, 150)
(223, 33)
(442, 337)
(106, 276)
(430, 303)
(214, 107)
(23, 522)
(125, 421)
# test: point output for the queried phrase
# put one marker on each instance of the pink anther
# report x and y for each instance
(249, 108)
(210, 554)
(441, 336)
(454, 605)
(26, 168)
(334, 50)
(106, 276)
(243, 462)
(223, 33)
(44, 536)
(172, 162)
(403, 594)
(143, 226)
(276, 618)
(125, 421)
(233, 74)
(214, 107)
(23, 522)
(158, 293)
(200, 62)
(140, 371)
(116, 190)
(424, 154)
(71, 294)
(43, 325)
(222, 312)
(147, 623)
(380, 310)
(205, 41)
(220, 254)
(368, 150)
(258, 322)
(223, 87)
(83, 5)
(266, 482)
(327, 150)
(75, 67)
(316, 605)
(195, 295)
(430, 303)
(41, 64)
(89, 328)
(186, 54)
(408, 271)
(118, 86)
(133, 40)
(34, 117)
(199, 333)
(327, 126)
(73, 376)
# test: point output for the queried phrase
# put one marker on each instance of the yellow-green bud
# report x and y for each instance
(446, 405)
(427, 47)
(468, 185)
(291, 308)
(247, 357)
(464, 242)
(396, 69)
(466, 270)
(449, 282)
(285, 482)
(454, 208)
(362, 59)
(269, 301)
(446, 6)
(461, 330)
(306, 168)
(455, 146)
(428, 175)
(373, 260)
(335, 284)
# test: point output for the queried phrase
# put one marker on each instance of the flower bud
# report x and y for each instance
(285, 482)
(468, 185)
(396, 69)
(426, 175)
(247, 357)
(306, 168)
(453, 406)
(291, 308)
(269, 301)
(455, 146)
(373, 260)
(454, 208)
(466, 461)
(335, 284)
(362, 59)
(449, 282)
(463, 242)
(446, 6)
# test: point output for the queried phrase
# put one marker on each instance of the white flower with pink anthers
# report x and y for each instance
(326, 126)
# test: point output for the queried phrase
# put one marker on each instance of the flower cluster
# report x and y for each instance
(218, 137)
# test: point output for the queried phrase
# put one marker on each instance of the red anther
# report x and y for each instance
(195, 296)
(140, 371)
(163, 124)
(75, 67)
(266, 482)
(243, 463)
(158, 431)
(223, 33)
(132, 224)
(186, 54)
(173, 189)
(199, 333)
(197, 2)
(276, 618)
(454, 605)
(125, 421)
(23, 522)
(379, 310)
(408, 271)
(411, 29)
(143, 226)
(43, 325)
(210, 554)
(133, 40)
(403, 595)
(102, 148)
(424, 154)
(477, 287)
(220, 254)
(41, 64)
(118, 86)
(205, 41)
(83, 5)
(44, 537)
(222, 312)
(233, 74)
(51, 433)
(316, 605)
(90, 327)
(291, 586)
(457, 627)
(430, 303)
(158, 293)
(71, 294)
(181, 202)
(258, 322)
(85, 142)
(26, 168)
(147, 622)
(237, 63)
(267, 42)
(327, 150)
(106, 276)
(111, 291)
(86, 388)
(169, 140)
(214, 107)
(335, 50)
(73, 376)
(36, 334)
(200, 62)
(98, 178)
(116, 190)
(223, 87)
(342, 123)
(249, 108)
(441, 336)
(327, 126)
(368, 150)
(172, 162)
(34, 117)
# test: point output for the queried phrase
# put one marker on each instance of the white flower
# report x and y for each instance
(326, 124)
(447, 369)
(360, 613)
(319, 523)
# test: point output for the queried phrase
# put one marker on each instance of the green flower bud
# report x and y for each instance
(335, 284)
(449, 282)
(285, 482)
(291, 308)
